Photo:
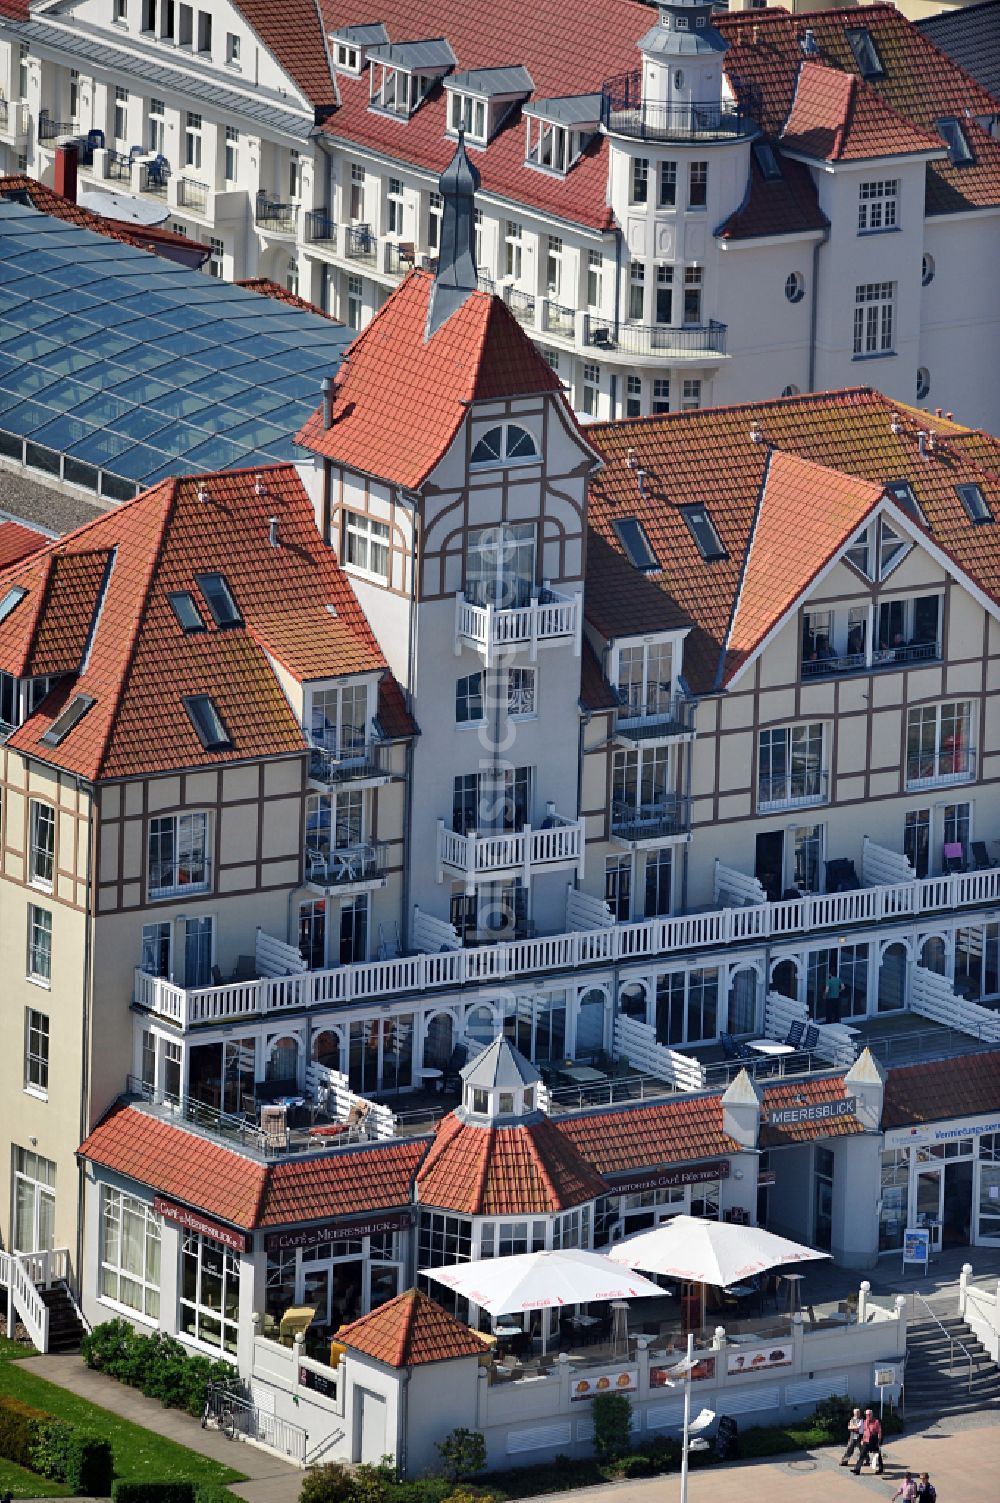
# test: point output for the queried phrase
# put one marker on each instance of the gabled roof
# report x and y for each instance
(970, 36)
(784, 205)
(806, 1093)
(295, 33)
(837, 117)
(349, 1182)
(400, 398)
(106, 587)
(941, 1088)
(708, 458)
(409, 1331)
(178, 1163)
(17, 541)
(681, 1130)
(806, 514)
(503, 1171)
(920, 83)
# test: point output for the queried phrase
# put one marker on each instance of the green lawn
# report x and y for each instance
(140, 1455)
(10, 1351)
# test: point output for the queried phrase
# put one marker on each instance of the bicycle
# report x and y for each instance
(219, 1406)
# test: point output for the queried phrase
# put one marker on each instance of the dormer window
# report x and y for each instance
(680, 23)
(10, 599)
(558, 130)
(349, 46)
(394, 90)
(402, 74)
(479, 1102)
(347, 58)
(468, 114)
(954, 137)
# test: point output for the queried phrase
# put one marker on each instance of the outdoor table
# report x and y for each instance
(770, 1046)
(584, 1320)
(740, 1291)
(289, 1101)
(582, 1075)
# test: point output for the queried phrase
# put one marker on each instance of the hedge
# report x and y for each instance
(55, 1449)
(169, 1492)
(157, 1364)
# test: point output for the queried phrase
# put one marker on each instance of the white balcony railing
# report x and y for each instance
(485, 854)
(379, 980)
(548, 617)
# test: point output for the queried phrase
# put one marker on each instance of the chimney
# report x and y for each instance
(922, 444)
(756, 436)
(272, 532)
(328, 401)
(939, 412)
(640, 476)
(66, 162)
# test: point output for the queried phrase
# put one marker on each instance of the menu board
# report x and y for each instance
(625, 1380)
(758, 1359)
(660, 1377)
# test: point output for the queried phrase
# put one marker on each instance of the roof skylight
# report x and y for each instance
(186, 611)
(862, 44)
(67, 719)
(901, 492)
(12, 598)
(766, 160)
(704, 532)
(632, 536)
(219, 599)
(975, 503)
(207, 722)
(954, 137)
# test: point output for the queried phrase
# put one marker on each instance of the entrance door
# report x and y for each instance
(34, 1202)
(369, 1415)
(769, 862)
(316, 1292)
(928, 1208)
(892, 979)
(956, 1218)
(989, 1190)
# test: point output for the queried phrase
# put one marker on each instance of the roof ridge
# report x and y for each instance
(744, 565)
(801, 398)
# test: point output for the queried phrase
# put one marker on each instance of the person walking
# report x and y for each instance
(926, 1491)
(854, 1427)
(832, 990)
(907, 1490)
(871, 1444)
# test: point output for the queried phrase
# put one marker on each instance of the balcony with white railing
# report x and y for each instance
(349, 868)
(652, 716)
(353, 760)
(486, 855)
(548, 618)
(640, 826)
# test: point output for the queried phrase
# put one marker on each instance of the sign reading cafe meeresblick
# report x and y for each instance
(192, 1221)
(818, 1111)
(667, 1179)
(336, 1231)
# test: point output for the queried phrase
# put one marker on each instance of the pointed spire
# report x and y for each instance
(456, 274)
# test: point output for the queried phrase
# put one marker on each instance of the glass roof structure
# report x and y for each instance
(119, 368)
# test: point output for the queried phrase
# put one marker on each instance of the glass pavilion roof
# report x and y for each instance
(142, 368)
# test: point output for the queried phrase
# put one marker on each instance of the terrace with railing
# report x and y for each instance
(625, 113)
(49, 129)
(546, 617)
(829, 665)
(652, 715)
(192, 195)
(360, 244)
(321, 229)
(646, 823)
(689, 342)
(486, 853)
(897, 900)
(273, 217)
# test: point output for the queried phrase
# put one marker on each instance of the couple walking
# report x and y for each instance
(864, 1435)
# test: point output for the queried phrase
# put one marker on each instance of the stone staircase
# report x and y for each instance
(934, 1386)
(66, 1330)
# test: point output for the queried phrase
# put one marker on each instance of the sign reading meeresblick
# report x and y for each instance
(819, 1111)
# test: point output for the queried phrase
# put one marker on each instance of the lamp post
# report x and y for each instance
(704, 1419)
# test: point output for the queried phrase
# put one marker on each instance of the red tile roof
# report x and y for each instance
(785, 205)
(400, 398)
(27, 190)
(295, 33)
(140, 663)
(16, 542)
(346, 1183)
(921, 84)
(267, 288)
(942, 1088)
(410, 1330)
(595, 691)
(502, 1171)
(837, 117)
(178, 1163)
(708, 457)
(806, 1093)
(637, 1137)
(805, 513)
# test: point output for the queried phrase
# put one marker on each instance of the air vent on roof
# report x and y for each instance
(860, 41)
(632, 536)
(766, 160)
(13, 597)
(207, 722)
(704, 532)
(901, 492)
(954, 137)
(974, 502)
(808, 42)
(219, 599)
(187, 613)
(67, 719)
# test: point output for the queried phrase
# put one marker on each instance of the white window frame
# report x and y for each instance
(522, 693)
(874, 319)
(513, 250)
(878, 206)
(157, 126)
(595, 279)
(337, 707)
(39, 961)
(120, 122)
(394, 206)
(366, 543)
(191, 842)
(946, 764)
(37, 1040)
(232, 165)
(192, 140)
(42, 854)
(195, 1247)
(590, 388)
(468, 112)
(233, 47)
(800, 786)
(113, 1272)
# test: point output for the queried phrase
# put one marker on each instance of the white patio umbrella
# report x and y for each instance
(541, 1281)
(709, 1252)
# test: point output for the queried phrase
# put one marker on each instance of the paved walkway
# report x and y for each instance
(269, 1479)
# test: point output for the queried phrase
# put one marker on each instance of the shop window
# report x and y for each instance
(130, 1253)
(209, 1303)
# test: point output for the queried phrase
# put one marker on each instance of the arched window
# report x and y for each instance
(326, 1049)
(505, 444)
(283, 1061)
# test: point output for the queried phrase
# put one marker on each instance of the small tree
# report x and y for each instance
(463, 1452)
(332, 1483)
(612, 1416)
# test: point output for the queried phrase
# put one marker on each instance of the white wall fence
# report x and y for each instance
(659, 937)
(932, 996)
(833, 1042)
(637, 1043)
(732, 887)
(377, 1123)
(980, 1309)
(880, 865)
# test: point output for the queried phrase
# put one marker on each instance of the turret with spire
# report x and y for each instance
(456, 275)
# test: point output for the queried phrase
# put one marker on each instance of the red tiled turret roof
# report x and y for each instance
(400, 398)
(502, 1171)
(409, 1331)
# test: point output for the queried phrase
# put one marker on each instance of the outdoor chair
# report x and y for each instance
(95, 140)
(841, 876)
(980, 856)
(728, 1046)
(954, 857)
(794, 1035)
(273, 1124)
(810, 1038)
